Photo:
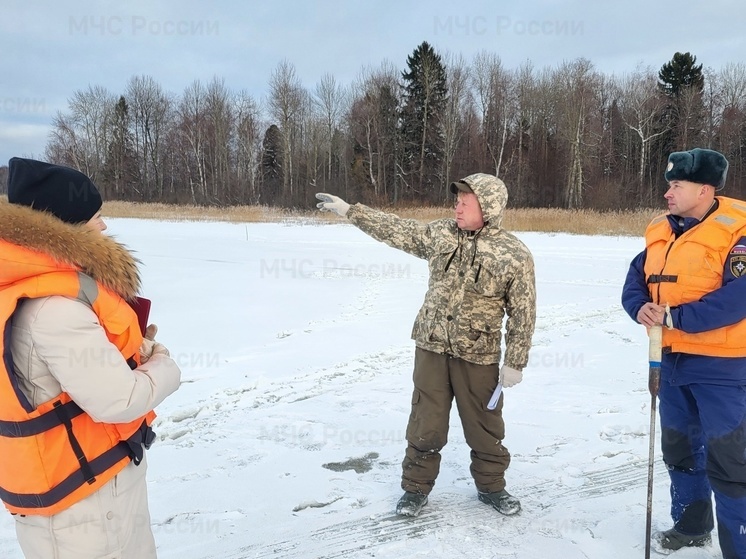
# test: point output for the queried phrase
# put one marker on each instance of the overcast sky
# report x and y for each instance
(49, 49)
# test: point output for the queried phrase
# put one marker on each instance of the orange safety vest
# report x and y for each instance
(55, 455)
(683, 270)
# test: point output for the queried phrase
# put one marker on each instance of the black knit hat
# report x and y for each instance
(64, 192)
(703, 166)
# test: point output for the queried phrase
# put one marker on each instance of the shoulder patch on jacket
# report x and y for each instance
(737, 264)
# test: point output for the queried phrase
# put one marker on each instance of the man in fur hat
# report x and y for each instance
(78, 381)
(689, 279)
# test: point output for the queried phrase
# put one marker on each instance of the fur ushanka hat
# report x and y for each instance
(703, 166)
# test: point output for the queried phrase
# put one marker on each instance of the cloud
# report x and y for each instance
(22, 140)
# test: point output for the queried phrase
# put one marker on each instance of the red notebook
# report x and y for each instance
(141, 306)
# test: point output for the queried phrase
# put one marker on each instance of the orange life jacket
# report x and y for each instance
(55, 455)
(683, 270)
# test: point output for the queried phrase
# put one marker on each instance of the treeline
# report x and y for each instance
(567, 136)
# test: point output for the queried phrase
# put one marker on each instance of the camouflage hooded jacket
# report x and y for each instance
(476, 278)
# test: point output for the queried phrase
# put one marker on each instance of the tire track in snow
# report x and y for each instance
(447, 510)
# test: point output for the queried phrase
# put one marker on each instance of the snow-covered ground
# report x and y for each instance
(286, 437)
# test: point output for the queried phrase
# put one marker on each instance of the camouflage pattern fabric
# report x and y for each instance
(476, 278)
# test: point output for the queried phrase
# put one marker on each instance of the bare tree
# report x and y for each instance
(372, 123)
(641, 108)
(151, 113)
(313, 150)
(577, 86)
(93, 114)
(82, 137)
(192, 113)
(524, 90)
(493, 87)
(457, 82)
(362, 119)
(220, 133)
(248, 145)
(64, 146)
(286, 103)
(330, 103)
(732, 78)
(732, 132)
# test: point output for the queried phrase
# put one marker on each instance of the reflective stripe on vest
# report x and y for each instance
(38, 501)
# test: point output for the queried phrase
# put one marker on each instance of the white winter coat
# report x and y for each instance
(58, 345)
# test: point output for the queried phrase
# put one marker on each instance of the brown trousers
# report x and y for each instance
(437, 379)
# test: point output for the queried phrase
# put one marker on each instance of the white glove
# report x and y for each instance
(160, 349)
(510, 376)
(149, 346)
(667, 318)
(331, 203)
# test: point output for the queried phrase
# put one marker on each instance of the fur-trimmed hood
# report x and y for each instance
(71, 246)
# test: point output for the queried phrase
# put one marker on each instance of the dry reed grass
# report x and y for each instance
(579, 222)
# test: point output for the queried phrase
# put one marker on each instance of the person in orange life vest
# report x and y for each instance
(690, 278)
(78, 381)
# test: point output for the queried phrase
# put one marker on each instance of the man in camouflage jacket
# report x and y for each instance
(478, 273)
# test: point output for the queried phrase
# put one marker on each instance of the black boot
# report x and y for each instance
(502, 501)
(673, 539)
(411, 504)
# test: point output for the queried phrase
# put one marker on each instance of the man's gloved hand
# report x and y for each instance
(149, 346)
(331, 203)
(510, 376)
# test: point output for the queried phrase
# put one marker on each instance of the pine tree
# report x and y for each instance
(681, 81)
(271, 166)
(424, 99)
(680, 74)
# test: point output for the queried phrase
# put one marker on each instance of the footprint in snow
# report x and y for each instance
(620, 433)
